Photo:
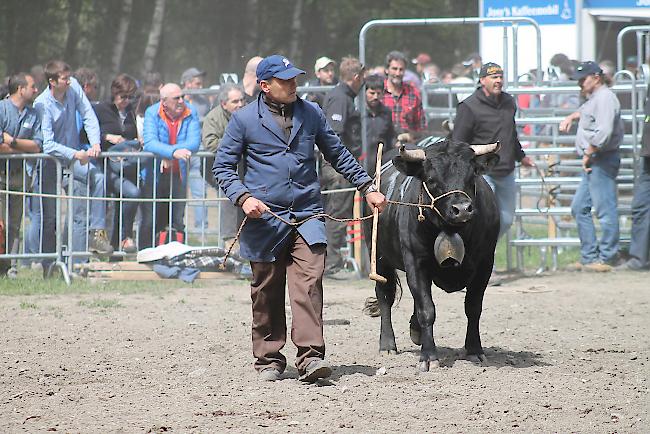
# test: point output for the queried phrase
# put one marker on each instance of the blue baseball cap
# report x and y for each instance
(585, 69)
(276, 66)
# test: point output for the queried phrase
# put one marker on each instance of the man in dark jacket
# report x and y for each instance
(379, 121)
(345, 120)
(488, 116)
(640, 236)
(275, 138)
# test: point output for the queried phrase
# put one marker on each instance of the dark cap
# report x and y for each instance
(585, 69)
(190, 73)
(276, 66)
(490, 68)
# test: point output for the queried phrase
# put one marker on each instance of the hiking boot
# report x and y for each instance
(128, 245)
(269, 374)
(99, 243)
(598, 267)
(315, 370)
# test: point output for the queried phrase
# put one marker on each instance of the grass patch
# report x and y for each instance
(99, 303)
(532, 256)
(27, 305)
(30, 282)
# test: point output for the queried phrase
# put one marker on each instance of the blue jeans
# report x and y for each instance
(505, 189)
(198, 190)
(87, 180)
(597, 189)
(640, 243)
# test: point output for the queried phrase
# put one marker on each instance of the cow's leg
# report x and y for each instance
(385, 293)
(420, 286)
(473, 309)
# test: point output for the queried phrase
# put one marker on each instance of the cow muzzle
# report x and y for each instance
(460, 211)
(449, 250)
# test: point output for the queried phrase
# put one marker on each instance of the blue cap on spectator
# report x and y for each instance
(585, 69)
(276, 66)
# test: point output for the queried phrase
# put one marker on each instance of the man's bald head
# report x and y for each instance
(170, 89)
(171, 98)
(251, 66)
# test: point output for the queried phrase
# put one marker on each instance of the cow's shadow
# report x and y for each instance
(497, 357)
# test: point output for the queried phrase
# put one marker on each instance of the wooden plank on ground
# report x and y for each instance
(150, 275)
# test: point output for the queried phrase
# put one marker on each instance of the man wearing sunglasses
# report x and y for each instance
(599, 136)
(172, 132)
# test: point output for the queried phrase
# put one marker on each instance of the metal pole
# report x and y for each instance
(619, 43)
(515, 57)
(505, 57)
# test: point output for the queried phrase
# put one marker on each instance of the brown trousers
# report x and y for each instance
(300, 266)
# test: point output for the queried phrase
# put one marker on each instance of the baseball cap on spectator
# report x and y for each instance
(322, 62)
(471, 58)
(190, 73)
(490, 68)
(422, 59)
(585, 69)
(276, 66)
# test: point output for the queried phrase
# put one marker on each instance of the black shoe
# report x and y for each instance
(632, 264)
(315, 370)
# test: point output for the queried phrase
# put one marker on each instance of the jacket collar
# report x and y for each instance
(270, 124)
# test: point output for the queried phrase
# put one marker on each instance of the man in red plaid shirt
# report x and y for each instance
(403, 98)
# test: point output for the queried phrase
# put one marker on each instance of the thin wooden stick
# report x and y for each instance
(375, 219)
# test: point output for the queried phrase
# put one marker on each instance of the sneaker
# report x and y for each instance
(316, 369)
(269, 374)
(99, 243)
(598, 267)
(128, 245)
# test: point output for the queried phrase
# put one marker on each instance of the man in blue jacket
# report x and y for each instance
(173, 133)
(275, 136)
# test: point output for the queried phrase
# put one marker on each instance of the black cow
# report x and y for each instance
(406, 242)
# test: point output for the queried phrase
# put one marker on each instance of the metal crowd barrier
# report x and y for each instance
(208, 218)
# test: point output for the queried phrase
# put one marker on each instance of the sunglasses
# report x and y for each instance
(129, 97)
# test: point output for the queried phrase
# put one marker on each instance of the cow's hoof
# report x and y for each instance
(476, 358)
(415, 336)
(423, 366)
(387, 352)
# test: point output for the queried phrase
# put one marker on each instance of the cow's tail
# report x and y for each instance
(371, 306)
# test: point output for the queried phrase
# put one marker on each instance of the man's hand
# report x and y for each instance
(114, 138)
(182, 154)
(82, 156)
(586, 163)
(94, 151)
(6, 138)
(254, 208)
(376, 200)
(527, 161)
(565, 125)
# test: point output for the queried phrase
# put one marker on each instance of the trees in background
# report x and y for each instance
(219, 36)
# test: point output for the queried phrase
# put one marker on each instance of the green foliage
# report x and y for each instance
(220, 36)
(27, 305)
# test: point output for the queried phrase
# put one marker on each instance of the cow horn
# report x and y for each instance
(448, 126)
(411, 154)
(485, 149)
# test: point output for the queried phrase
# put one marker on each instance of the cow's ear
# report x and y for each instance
(407, 167)
(483, 163)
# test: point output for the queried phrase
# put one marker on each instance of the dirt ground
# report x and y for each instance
(567, 352)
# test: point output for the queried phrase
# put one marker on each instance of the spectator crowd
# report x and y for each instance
(55, 111)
